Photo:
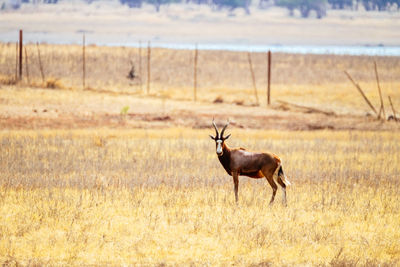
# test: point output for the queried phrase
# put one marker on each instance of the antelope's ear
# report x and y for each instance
(226, 137)
(212, 137)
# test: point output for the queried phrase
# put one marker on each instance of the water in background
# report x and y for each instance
(294, 49)
(76, 38)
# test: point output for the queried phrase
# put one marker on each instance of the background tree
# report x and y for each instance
(380, 5)
(199, 2)
(304, 6)
(291, 5)
(157, 3)
(340, 4)
(132, 3)
(233, 4)
(14, 4)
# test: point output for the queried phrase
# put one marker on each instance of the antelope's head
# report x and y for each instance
(219, 138)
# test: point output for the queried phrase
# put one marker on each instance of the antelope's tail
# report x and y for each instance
(283, 176)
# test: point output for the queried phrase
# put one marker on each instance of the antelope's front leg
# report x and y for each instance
(235, 176)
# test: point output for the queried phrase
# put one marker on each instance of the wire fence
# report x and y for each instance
(203, 75)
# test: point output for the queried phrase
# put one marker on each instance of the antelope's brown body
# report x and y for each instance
(246, 163)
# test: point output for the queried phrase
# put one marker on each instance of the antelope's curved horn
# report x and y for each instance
(216, 129)
(223, 129)
(226, 137)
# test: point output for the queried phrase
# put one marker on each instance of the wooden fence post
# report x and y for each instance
(26, 66)
(393, 110)
(20, 54)
(16, 61)
(382, 108)
(195, 74)
(253, 77)
(361, 92)
(148, 67)
(269, 78)
(83, 63)
(140, 66)
(40, 62)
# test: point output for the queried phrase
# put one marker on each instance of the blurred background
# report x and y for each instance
(299, 26)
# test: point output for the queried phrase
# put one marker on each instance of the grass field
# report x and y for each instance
(111, 175)
(151, 197)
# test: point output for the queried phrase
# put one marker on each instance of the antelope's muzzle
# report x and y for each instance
(219, 147)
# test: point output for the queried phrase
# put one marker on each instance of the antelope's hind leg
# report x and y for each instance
(283, 186)
(274, 187)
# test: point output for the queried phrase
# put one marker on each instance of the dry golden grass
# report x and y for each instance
(154, 197)
(151, 197)
(315, 80)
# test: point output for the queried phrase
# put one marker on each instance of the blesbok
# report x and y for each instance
(239, 161)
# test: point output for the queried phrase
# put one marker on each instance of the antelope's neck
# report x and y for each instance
(225, 159)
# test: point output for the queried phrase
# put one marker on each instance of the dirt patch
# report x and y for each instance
(292, 121)
(24, 108)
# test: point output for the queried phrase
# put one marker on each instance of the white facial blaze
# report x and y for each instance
(219, 146)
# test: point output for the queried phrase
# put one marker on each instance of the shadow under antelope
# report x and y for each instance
(239, 161)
